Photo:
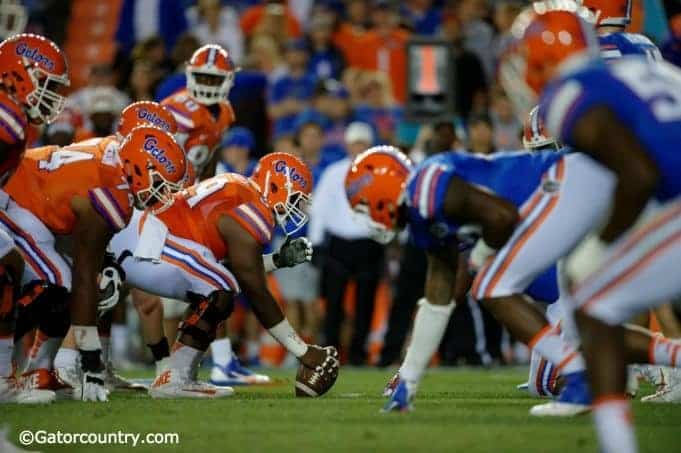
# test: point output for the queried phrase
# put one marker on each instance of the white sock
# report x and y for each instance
(184, 357)
(6, 349)
(66, 358)
(43, 352)
(106, 348)
(253, 349)
(664, 351)
(119, 341)
(221, 351)
(550, 345)
(612, 416)
(429, 327)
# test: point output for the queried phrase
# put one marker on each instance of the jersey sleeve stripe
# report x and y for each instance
(107, 209)
(11, 126)
(262, 221)
(253, 214)
(19, 122)
(183, 120)
(561, 106)
(121, 212)
(423, 191)
(432, 192)
(263, 238)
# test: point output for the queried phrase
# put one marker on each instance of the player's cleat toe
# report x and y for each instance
(524, 387)
(11, 391)
(400, 400)
(44, 379)
(391, 385)
(574, 399)
(236, 374)
(669, 393)
(173, 383)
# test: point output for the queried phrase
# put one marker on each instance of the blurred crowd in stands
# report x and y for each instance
(325, 80)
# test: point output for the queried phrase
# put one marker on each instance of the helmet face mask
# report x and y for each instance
(45, 102)
(159, 194)
(210, 75)
(377, 231)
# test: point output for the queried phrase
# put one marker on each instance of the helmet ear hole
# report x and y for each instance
(138, 172)
(380, 205)
(273, 188)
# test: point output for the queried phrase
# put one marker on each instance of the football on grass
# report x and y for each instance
(311, 384)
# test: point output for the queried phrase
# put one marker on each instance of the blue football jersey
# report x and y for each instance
(513, 176)
(617, 45)
(645, 95)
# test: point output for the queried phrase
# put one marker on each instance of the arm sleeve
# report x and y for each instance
(113, 206)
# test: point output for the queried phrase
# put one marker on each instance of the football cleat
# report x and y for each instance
(44, 379)
(401, 398)
(574, 399)
(114, 381)
(391, 385)
(235, 374)
(669, 390)
(70, 375)
(12, 392)
(174, 383)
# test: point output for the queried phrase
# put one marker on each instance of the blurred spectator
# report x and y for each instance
(383, 48)
(346, 251)
(350, 32)
(65, 129)
(480, 135)
(292, 92)
(142, 81)
(302, 10)
(469, 76)
(286, 143)
(265, 56)
(331, 99)
(141, 19)
(505, 12)
(101, 75)
(377, 106)
(671, 47)
(181, 53)
(103, 111)
(213, 23)
(421, 17)
(326, 61)
(235, 152)
(507, 126)
(274, 18)
(478, 35)
(152, 50)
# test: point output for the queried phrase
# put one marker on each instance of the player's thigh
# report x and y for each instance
(553, 221)
(37, 246)
(158, 278)
(639, 272)
(202, 273)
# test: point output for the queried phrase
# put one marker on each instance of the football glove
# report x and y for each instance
(293, 252)
(111, 281)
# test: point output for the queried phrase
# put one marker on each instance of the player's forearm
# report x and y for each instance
(265, 308)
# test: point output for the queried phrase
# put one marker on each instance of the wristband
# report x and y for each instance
(284, 334)
(87, 338)
(268, 261)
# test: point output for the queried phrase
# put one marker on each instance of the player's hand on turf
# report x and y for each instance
(322, 359)
(293, 252)
(92, 387)
(110, 283)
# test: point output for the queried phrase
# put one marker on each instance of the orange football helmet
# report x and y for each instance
(34, 70)
(535, 135)
(547, 35)
(145, 113)
(285, 183)
(155, 167)
(375, 187)
(210, 74)
(610, 12)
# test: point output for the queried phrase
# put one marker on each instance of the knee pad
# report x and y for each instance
(205, 315)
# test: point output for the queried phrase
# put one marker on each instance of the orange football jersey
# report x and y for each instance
(14, 133)
(48, 178)
(197, 125)
(196, 212)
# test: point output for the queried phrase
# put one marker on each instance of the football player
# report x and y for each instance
(612, 19)
(627, 117)
(33, 71)
(202, 110)
(225, 218)
(86, 192)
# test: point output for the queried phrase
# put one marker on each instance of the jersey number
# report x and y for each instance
(658, 84)
(63, 157)
(205, 189)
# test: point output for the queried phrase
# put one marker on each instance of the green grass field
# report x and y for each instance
(457, 411)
